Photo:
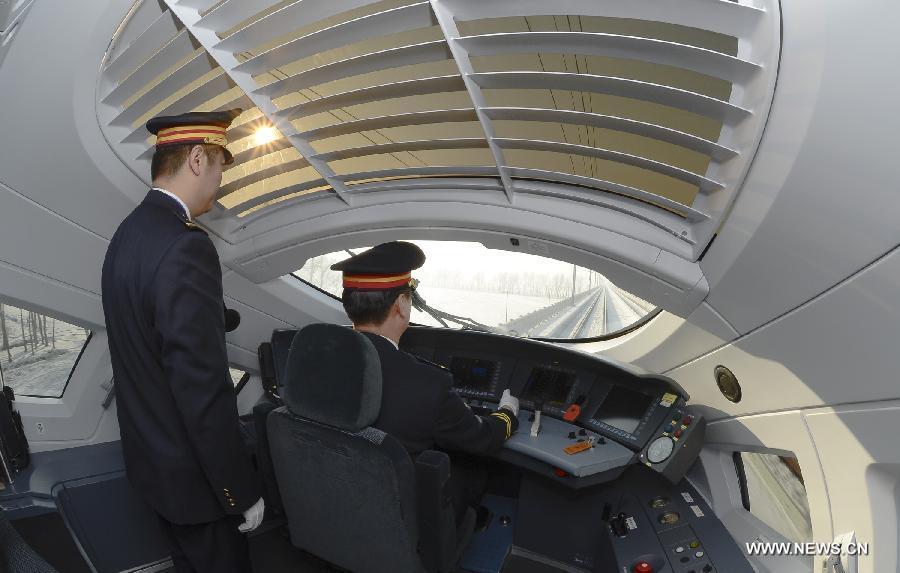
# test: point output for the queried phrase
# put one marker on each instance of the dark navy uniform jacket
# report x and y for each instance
(420, 408)
(162, 297)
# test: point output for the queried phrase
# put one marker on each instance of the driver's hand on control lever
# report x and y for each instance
(509, 402)
(508, 412)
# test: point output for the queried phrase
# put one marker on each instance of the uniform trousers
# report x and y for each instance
(467, 485)
(214, 547)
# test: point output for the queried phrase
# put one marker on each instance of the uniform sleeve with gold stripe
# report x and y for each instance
(457, 427)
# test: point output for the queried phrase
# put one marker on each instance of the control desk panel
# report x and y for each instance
(583, 418)
(596, 417)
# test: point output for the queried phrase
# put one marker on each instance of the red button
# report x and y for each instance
(687, 420)
(572, 413)
(677, 433)
(560, 472)
(643, 567)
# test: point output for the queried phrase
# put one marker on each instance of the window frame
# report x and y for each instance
(600, 338)
(71, 370)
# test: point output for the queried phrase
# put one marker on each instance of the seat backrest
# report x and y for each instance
(16, 556)
(348, 489)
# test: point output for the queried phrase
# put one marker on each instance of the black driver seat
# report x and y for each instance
(351, 493)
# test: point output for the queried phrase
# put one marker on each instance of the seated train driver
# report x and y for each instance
(419, 406)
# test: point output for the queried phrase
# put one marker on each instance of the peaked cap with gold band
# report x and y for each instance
(383, 267)
(195, 127)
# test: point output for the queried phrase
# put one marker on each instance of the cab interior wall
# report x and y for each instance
(802, 276)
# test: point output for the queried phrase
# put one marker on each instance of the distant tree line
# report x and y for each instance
(553, 286)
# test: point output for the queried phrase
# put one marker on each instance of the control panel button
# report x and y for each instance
(678, 433)
(572, 413)
(659, 502)
(686, 421)
(698, 554)
(642, 567)
(695, 544)
(679, 549)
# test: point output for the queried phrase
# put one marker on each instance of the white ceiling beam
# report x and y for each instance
(705, 184)
(693, 102)
(228, 62)
(723, 16)
(701, 60)
(447, 22)
(396, 20)
(574, 117)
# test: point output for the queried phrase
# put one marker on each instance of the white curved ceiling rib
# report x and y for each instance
(654, 111)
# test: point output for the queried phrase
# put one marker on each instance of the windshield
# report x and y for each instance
(510, 293)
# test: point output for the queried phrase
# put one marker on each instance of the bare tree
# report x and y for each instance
(53, 336)
(22, 326)
(3, 332)
(31, 331)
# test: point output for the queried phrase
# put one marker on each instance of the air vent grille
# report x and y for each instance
(635, 101)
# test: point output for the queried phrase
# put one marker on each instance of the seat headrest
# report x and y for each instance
(333, 376)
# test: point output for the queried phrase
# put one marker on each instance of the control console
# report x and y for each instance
(647, 525)
(568, 449)
(675, 444)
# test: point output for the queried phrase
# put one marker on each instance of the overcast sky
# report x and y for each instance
(476, 257)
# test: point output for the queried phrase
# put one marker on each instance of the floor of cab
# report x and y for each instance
(271, 551)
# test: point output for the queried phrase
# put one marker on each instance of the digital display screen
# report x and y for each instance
(472, 373)
(549, 387)
(623, 408)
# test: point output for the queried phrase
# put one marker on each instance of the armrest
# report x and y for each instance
(437, 525)
(264, 458)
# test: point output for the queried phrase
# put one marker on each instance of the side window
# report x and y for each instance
(38, 352)
(236, 375)
(773, 491)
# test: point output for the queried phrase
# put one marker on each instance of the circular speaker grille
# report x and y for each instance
(728, 384)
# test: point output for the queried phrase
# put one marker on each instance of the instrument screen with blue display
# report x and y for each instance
(623, 408)
(473, 373)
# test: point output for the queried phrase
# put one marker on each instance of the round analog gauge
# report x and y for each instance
(660, 449)
(659, 502)
(669, 518)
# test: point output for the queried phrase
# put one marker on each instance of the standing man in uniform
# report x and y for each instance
(419, 406)
(162, 298)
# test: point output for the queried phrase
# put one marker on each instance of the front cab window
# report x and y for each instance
(511, 293)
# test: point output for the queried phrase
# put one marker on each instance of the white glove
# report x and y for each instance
(253, 517)
(509, 402)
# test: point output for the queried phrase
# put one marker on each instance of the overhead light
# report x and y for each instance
(265, 135)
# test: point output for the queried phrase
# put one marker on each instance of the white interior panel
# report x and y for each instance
(859, 454)
(839, 348)
(815, 206)
(58, 157)
(35, 238)
(783, 433)
(668, 341)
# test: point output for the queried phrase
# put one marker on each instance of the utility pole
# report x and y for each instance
(573, 284)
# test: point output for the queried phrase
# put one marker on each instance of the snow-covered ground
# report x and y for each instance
(488, 308)
(41, 371)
